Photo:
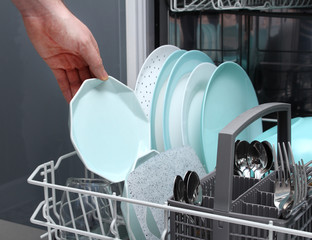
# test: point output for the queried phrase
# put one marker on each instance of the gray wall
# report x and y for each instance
(33, 112)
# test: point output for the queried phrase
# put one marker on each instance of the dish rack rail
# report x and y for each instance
(200, 5)
(181, 221)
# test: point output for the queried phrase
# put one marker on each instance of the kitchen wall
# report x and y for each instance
(33, 112)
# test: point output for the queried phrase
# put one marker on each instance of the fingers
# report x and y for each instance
(93, 59)
(70, 80)
(84, 73)
(74, 80)
(63, 83)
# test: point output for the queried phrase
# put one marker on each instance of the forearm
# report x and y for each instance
(39, 8)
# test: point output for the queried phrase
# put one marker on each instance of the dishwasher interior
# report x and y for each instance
(273, 44)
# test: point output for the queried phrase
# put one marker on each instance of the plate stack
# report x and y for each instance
(188, 100)
(168, 125)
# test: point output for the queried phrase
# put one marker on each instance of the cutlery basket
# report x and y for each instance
(239, 197)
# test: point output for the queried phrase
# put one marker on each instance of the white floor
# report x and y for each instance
(14, 231)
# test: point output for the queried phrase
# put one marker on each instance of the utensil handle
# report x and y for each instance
(225, 153)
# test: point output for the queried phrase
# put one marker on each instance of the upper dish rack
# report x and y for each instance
(199, 5)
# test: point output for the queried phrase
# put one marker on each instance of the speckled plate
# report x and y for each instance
(147, 77)
(152, 181)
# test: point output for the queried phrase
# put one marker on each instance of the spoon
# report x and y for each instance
(194, 189)
(179, 189)
(179, 192)
(236, 167)
(241, 158)
(262, 159)
(186, 176)
(253, 159)
(269, 164)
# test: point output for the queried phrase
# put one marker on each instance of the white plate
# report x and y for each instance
(108, 128)
(192, 104)
(157, 109)
(173, 98)
(147, 77)
(228, 94)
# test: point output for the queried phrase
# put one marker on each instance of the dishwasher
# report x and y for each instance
(250, 33)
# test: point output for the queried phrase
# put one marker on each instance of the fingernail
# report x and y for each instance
(104, 77)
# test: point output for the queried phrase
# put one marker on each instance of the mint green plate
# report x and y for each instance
(301, 138)
(173, 99)
(157, 108)
(108, 128)
(228, 94)
(191, 106)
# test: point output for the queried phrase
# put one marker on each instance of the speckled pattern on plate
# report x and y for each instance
(153, 181)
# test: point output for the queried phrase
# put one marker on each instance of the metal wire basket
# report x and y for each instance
(187, 220)
(199, 5)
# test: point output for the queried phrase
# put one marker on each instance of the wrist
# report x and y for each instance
(39, 8)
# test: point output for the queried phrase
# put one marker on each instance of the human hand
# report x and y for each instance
(64, 42)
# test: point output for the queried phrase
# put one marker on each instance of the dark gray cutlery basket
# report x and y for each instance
(239, 197)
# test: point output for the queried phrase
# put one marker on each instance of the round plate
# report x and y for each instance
(108, 128)
(173, 98)
(157, 109)
(191, 106)
(149, 73)
(228, 94)
(301, 140)
(152, 181)
(133, 221)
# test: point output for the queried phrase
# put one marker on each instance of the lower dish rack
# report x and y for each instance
(178, 214)
(251, 213)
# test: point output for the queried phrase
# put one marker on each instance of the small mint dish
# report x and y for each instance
(108, 128)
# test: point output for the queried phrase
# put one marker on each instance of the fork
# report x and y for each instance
(309, 178)
(304, 181)
(308, 174)
(282, 185)
(295, 174)
(290, 199)
(298, 177)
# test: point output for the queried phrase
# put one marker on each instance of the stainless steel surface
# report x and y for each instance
(241, 158)
(193, 189)
(256, 158)
(282, 190)
(291, 182)
(178, 189)
(189, 189)
(269, 154)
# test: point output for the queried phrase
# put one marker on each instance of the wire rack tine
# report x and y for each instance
(198, 5)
